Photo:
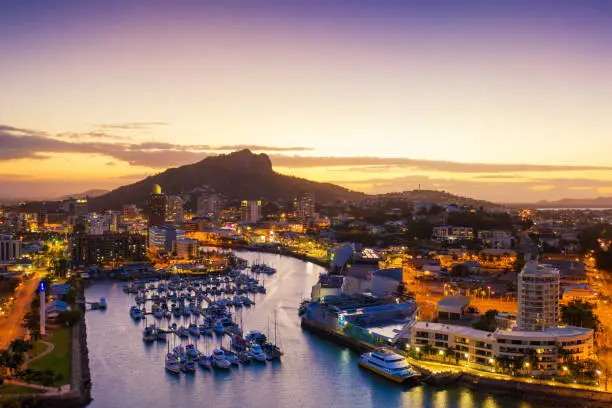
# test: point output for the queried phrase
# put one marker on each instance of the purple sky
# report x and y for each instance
(505, 100)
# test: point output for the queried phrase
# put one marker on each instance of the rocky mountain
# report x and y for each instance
(238, 175)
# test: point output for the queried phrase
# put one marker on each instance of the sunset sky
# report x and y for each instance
(501, 100)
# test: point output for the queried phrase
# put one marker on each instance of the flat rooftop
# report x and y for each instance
(454, 329)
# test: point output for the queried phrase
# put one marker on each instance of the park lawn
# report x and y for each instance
(7, 389)
(37, 349)
(59, 359)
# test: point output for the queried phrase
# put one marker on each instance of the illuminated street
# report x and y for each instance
(10, 327)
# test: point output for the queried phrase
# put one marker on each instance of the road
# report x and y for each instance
(10, 327)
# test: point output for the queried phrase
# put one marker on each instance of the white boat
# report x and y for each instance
(257, 353)
(388, 364)
(182, 332)
(172, 364)
(220, 360)
(187, 366)
(149, 334)
(135, 313)
(160, 335)
(194, 330)
(205, 361)
(219, 329)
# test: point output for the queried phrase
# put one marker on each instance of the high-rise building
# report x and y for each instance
(209, 205)
(185, 248)
(174, 212)
(250, 210)
(157, 207)
(162, 239)
(10, 249)
(130, 211)
(538, 297)
(304, 205)
(107, 248)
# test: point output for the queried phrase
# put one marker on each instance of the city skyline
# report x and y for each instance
(505, 102)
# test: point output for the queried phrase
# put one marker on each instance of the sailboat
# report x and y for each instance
(272, 350)
(172, 363)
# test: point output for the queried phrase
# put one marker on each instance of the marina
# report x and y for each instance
(312, 372)
(199, 318)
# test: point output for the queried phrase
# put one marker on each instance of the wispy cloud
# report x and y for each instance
(430, 165)
(93, 135)
(20, 143)
(130, 125)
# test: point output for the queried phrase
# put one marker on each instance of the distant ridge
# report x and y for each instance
(237, 175)
(599, 202)
(441, 198)
(88, 193)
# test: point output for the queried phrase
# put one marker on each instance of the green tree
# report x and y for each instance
(487, 321)
(581, 314)
(70, 317)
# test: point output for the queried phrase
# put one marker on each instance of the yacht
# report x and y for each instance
(257, 353)
(149, 334)
(160, 335)
(187, 365)
(205, 361)
(172, 364)
(194, 329)
(388, 364)
(219, 329)
(219, 359)
(135, 313)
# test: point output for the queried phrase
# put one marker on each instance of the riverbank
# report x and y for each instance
(437, 374)
(275, 251)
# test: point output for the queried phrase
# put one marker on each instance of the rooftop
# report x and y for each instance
(454, 301)
(454, 329)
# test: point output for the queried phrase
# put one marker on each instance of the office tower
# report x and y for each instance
(174, 213)
(304, 205)
(250, 210)
(209, 205)
(10, 249)
(157, 207)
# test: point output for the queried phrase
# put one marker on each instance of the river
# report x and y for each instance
(313, 372)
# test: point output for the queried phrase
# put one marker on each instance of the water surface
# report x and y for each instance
(313, 373)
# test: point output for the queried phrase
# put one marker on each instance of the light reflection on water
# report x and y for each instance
(313, 372)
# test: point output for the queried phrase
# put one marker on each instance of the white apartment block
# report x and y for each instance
(482, 350)
(538, 297)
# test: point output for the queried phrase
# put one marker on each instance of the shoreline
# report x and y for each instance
(540, 394)
(274, 251)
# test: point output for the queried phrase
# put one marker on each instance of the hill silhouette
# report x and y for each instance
(237, 175)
